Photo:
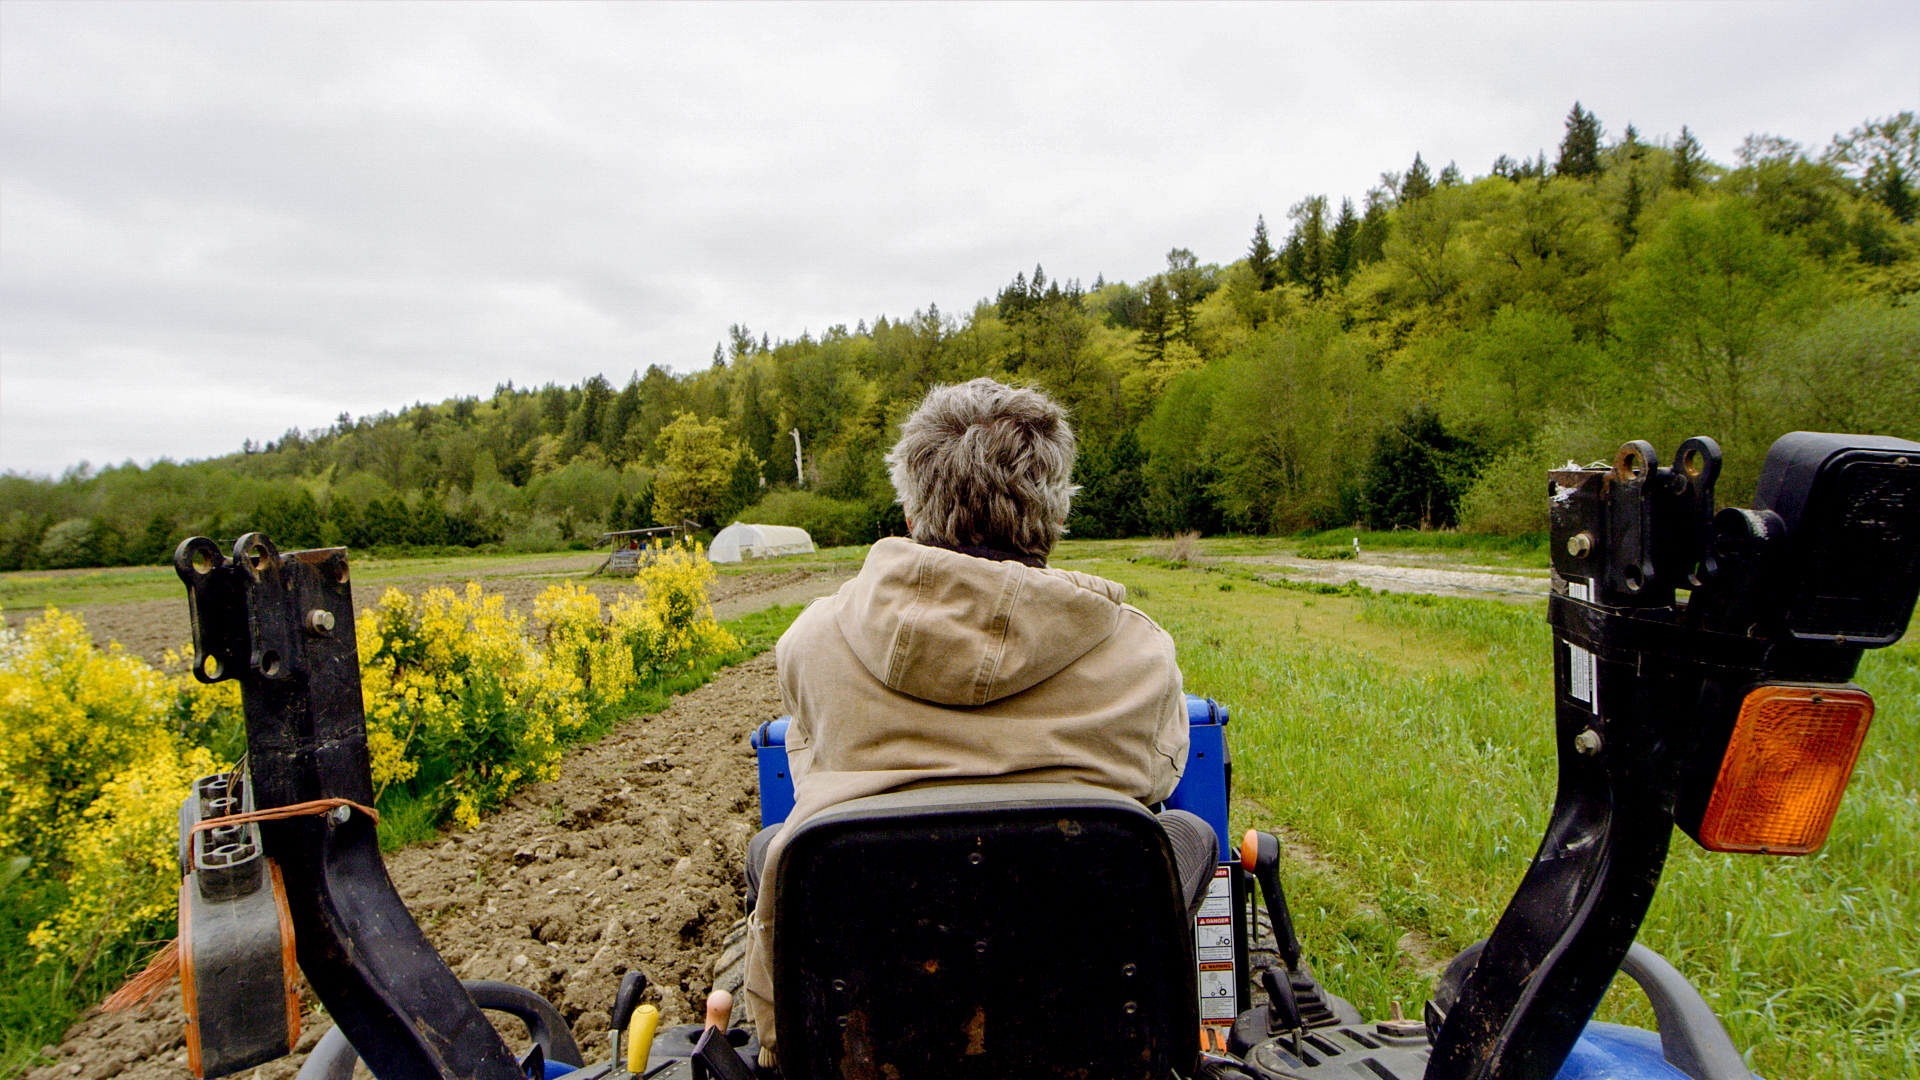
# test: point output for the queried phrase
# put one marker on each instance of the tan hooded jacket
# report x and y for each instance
(931, 666)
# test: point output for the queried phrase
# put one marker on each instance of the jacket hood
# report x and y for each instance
(957, 630)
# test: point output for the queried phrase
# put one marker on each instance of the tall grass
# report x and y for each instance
(1408, 739)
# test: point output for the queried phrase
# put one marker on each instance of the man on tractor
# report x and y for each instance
(959, 656)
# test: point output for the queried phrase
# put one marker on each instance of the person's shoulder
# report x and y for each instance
(1093, 583)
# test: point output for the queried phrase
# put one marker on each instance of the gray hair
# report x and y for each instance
(986, 464)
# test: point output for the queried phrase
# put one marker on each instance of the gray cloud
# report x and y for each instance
(219, 221)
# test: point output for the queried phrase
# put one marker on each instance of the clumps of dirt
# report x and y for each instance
(630, 859)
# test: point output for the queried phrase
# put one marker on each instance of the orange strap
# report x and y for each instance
(304, 809)
(144, 987)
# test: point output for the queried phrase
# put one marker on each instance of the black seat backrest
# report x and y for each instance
(984, 932)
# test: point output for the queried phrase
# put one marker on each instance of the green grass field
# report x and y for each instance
(1408, 739)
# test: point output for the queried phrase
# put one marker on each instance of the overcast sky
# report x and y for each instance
(219, 221)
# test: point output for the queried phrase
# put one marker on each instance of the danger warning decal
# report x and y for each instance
(1213, 949)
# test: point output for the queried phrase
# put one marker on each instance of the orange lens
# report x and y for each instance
(1786, 766)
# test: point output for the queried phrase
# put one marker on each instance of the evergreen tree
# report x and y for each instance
(1685, 166)
(1417, 183)
(760, 428)
(1310, 240)
(1370, 242)
(553, 408)
(1897, 195)
(1416, 474)
(1450, 176)
(740, 341)
(1630, 142)
(1580, 149)
(621, 413)
(1260, 258)
(1188, 285)
(156, 543)
(1632, 202)
(1506, 168)
(1156, 318)
(1340, 246)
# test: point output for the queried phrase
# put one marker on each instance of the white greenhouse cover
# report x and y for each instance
(738, 541)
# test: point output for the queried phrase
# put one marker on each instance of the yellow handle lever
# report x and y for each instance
(640, 1037)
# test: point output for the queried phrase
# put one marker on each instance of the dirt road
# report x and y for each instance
(1401, 572)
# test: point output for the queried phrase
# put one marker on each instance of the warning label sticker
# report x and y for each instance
(1213, 949)
(1583, 677)
(1216, 993)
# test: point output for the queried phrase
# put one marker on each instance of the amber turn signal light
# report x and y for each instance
(1785, 769)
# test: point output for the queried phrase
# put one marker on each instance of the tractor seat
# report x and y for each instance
(983, 932)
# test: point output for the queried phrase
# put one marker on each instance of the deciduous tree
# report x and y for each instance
(696, 469)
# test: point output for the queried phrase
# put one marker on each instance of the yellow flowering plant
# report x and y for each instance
(456, 695)
(672, 625)
(97, 749)
(124, 874)
(71, 718)
(92, 771)
(623, 650)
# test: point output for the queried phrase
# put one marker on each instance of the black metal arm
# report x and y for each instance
(283, 626)
(1647, 687)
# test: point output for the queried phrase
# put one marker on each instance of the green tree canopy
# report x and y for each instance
(696, 470)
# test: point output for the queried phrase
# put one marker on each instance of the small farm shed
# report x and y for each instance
(633, 548)
(738, 541)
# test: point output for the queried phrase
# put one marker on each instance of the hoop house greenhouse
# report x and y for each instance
(738, 541)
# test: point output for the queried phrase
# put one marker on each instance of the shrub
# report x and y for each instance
(831, 522)
(450, 682)
(643, 639)
(71, 718)
(92, 771)
(124, 872)
(69, 544)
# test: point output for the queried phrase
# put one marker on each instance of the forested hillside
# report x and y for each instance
(1412, 356)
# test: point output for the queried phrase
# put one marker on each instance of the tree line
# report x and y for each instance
(1413, 357)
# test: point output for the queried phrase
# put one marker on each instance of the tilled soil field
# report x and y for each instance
(148, 628)
(630, 859)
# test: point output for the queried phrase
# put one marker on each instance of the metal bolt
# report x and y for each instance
(1579, 544)
(1587, 742)
(340, 814)
(319, 621)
